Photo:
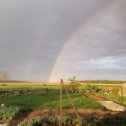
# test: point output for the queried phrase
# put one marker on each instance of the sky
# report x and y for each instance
(45, 40)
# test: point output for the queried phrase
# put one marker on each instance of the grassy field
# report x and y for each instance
(36, 97)
(32, 97)
(22, 98)
(27, 86)
(49, 101)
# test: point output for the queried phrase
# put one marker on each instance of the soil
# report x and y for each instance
(88, 113)
(94, 97)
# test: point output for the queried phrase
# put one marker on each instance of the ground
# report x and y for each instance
(42, 99)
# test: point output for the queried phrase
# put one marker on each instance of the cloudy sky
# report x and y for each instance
(45, 40)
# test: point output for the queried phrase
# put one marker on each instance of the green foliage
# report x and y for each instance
(48, 101)
(73, 86)
(80, 122)
(51, 121)
(69, 121)
(72, 80)
(115, 91)
(92, 88)
(8, 113)
(116, 98)
(103, 81)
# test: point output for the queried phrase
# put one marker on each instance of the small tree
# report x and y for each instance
(73, 86)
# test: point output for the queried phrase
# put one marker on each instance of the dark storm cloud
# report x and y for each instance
(33, 33)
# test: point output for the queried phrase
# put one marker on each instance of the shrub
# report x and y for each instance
(44, 84)
(3, 84)
(92, 88)
(73, 86)
(115, 91)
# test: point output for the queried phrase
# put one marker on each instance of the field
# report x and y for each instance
(18, 100)
(37, 97)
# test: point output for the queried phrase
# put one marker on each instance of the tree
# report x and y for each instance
(4, 76)
(73, 86)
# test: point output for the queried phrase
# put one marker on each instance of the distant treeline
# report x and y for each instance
(14, 81)
(103, 81)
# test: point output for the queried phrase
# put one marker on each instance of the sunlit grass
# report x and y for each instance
(49, 101)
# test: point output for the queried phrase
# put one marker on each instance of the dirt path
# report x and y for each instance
(92, 96)
(110, 105)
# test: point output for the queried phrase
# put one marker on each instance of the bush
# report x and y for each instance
(73, 86)
(115, 91)
(44, 84)
(92, 88)
(3, 84)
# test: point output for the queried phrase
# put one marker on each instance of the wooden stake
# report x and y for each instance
(70, 100)
(61, 106)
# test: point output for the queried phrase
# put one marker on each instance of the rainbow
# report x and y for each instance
(71, 40)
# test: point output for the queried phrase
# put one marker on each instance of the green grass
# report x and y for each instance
(49, 101)
(34, 101)
(116, 98)
(103, 81)
(28, 86)
(8, 113)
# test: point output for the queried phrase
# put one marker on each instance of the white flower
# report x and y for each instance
(2, 105)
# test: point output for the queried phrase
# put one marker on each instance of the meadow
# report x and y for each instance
(42, 97)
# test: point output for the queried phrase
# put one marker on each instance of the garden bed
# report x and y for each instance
(88, 114)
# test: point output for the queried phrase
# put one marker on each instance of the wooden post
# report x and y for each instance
(61, 106)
